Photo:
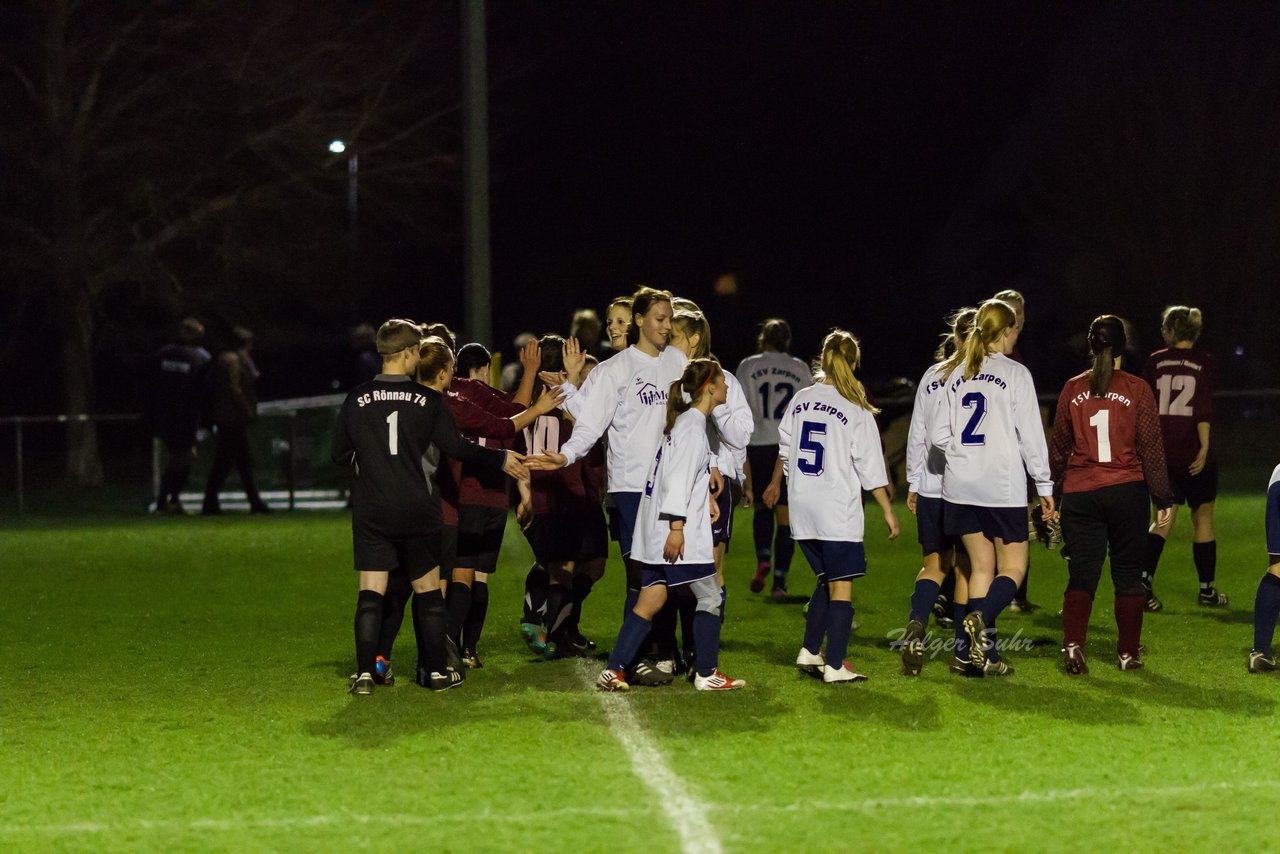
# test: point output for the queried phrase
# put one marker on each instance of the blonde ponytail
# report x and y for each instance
(841, 356)
(993, 318)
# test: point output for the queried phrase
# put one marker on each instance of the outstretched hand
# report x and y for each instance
(514, 466)
(531, 356)
(574, 360)
(546, 461)
(548, 400)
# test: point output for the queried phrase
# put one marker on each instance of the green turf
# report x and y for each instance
(180, 684)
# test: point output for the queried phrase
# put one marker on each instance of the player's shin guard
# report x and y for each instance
(706, 628)
(459, 605)
(922, 599)
(1266, 608)
(368, 628)
(783, 548)
(815, 621)
(1077, 605)
(475, 617)
(429, 612)
(633, 632)
(1129, 611)
(1205, 556)
(998, 597)
(839, 627)
(762, 532)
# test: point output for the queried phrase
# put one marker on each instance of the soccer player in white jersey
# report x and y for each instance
(992, 440)
(925, 466)
(769, 380)
(672, 541)
(829, 447)
(729, 431)
(625, 399)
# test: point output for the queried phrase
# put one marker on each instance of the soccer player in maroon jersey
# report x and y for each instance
(1181, 375)
(1106, 453)
(562, 519)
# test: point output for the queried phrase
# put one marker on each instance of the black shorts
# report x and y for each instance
(762, 459)
(574, 535)
(1195, 489)
(722, 528)
(480, 531)
(835, 560)
(375, 552)
(1004, 523)
(929, 531)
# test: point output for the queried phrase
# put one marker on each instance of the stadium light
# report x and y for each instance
(337, 146)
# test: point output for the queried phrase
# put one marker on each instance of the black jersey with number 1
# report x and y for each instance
(388, 428)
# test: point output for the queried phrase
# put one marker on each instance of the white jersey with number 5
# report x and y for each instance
(830, 451)
(993, 438)
(770, 380)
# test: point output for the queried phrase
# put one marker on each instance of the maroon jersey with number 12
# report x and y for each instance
(1182, 381)
(1110, 439)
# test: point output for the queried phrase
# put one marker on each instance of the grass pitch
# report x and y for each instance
(180, 684)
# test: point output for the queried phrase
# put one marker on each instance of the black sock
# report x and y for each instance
(783, 548)
(1266, 608)
(663, 634)
(1155, 545)
(368, 627)
(1205, 556)
(393, 602)
(1021, 595)
(762, 532)
(582, 584)
(535, 594)
(475, 617)
(686, 605)
(948, 591)
(558, 606)
(430, 614)
(459, 606)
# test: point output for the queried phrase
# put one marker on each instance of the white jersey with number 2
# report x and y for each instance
(993, 438)
(830, 451)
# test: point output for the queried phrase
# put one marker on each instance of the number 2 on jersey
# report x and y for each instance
(393, 432)
(787, 390)
(976, 401)
(810, 433)
(1185, 385)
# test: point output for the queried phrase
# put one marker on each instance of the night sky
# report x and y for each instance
(867, 165)
(820, 157)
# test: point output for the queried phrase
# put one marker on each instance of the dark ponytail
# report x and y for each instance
(1106, 341)
(697, 375)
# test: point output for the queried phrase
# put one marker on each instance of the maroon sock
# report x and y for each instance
(1076, 606)
(1129, 623)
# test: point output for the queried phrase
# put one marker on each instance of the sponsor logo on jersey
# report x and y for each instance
(650, 394)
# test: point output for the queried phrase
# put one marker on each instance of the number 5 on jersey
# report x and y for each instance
(811, 433)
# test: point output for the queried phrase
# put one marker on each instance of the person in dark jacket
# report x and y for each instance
(233, 407)
(179, 372)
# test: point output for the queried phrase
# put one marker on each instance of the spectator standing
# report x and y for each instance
(180, 371)
(233, 407)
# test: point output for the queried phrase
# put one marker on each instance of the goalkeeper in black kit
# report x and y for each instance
(393, 430)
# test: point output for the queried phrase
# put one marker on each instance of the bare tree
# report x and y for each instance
(181, 146)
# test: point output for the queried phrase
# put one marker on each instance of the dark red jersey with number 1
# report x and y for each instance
(1182, 381)
(1110, 439)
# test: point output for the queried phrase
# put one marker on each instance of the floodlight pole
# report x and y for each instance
(475, 170)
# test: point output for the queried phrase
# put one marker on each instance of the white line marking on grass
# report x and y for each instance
(687, 814)
(541, 817)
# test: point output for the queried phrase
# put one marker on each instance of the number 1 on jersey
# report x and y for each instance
(393, 432)
(1101, 423)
